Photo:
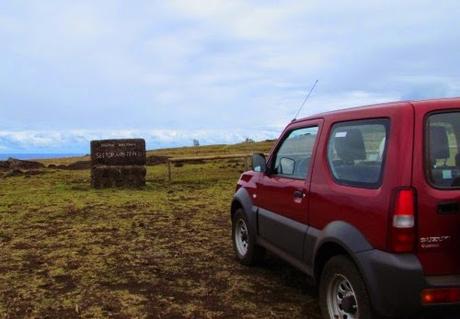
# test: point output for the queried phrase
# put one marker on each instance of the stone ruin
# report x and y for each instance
(118, 163)
(15, 167)
(12, 164)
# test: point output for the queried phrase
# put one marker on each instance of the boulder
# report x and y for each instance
(4, 165)
(13, 172)
(16, 164)
(32, 172)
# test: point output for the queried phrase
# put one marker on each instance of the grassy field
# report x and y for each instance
(164, 251)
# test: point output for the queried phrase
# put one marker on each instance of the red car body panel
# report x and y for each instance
(365, 208)
(276, 193)
(438, 258)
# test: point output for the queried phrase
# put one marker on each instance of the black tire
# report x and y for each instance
(341, 278)
(253, 254)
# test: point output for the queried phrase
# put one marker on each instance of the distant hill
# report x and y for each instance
(207, 150)
(218, 149)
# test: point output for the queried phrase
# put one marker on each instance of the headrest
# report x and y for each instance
(439, 143)
(349, 145)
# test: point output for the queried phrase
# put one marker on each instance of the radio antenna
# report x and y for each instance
(304, 101)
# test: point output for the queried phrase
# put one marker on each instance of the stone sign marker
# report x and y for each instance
(118, 163)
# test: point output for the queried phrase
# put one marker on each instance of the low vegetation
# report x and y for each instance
(163, 251)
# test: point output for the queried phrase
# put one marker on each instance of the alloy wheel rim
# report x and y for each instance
(341, 299)
(241, 237)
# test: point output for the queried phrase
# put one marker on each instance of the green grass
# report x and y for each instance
(164, 251)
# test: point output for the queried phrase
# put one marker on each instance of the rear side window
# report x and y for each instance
(356, 151)
(442, 134)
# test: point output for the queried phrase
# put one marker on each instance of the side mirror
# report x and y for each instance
(259, 163)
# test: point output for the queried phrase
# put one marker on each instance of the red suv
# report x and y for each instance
(366, 202)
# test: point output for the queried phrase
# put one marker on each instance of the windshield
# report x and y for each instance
(442, 149)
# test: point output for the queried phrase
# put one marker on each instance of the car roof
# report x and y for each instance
(373, 107)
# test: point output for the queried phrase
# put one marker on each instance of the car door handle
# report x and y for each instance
(299, 194)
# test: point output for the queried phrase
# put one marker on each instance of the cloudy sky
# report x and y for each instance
(218, 71)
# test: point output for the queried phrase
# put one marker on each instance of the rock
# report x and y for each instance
(79, 165)
(73, 166)
(32, 172)
(25, 173)
(15, 164)
(13, 172)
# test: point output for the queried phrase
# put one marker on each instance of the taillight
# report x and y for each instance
(402, 234)
(440, 296)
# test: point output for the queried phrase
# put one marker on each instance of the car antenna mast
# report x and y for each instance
(304, 101)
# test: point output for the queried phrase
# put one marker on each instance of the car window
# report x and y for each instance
(356, 151)
(294, 154)
(442, 149)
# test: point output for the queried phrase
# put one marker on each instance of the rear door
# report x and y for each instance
(282, 193)
(436, 176)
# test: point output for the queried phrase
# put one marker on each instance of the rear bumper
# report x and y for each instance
(394, 282)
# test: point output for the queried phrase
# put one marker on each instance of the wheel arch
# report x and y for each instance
(376, 267)
(324, 254)
(236, 204)
(338, 238)
(242, 200)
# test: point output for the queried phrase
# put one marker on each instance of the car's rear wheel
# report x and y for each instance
(244, 241)
(342, 292)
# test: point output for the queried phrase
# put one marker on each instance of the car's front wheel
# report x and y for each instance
(244, 241)
(342, 292)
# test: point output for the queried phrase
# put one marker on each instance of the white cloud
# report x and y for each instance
(78, 140)
(212, 65)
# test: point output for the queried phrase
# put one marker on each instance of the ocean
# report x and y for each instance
(36, 156)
